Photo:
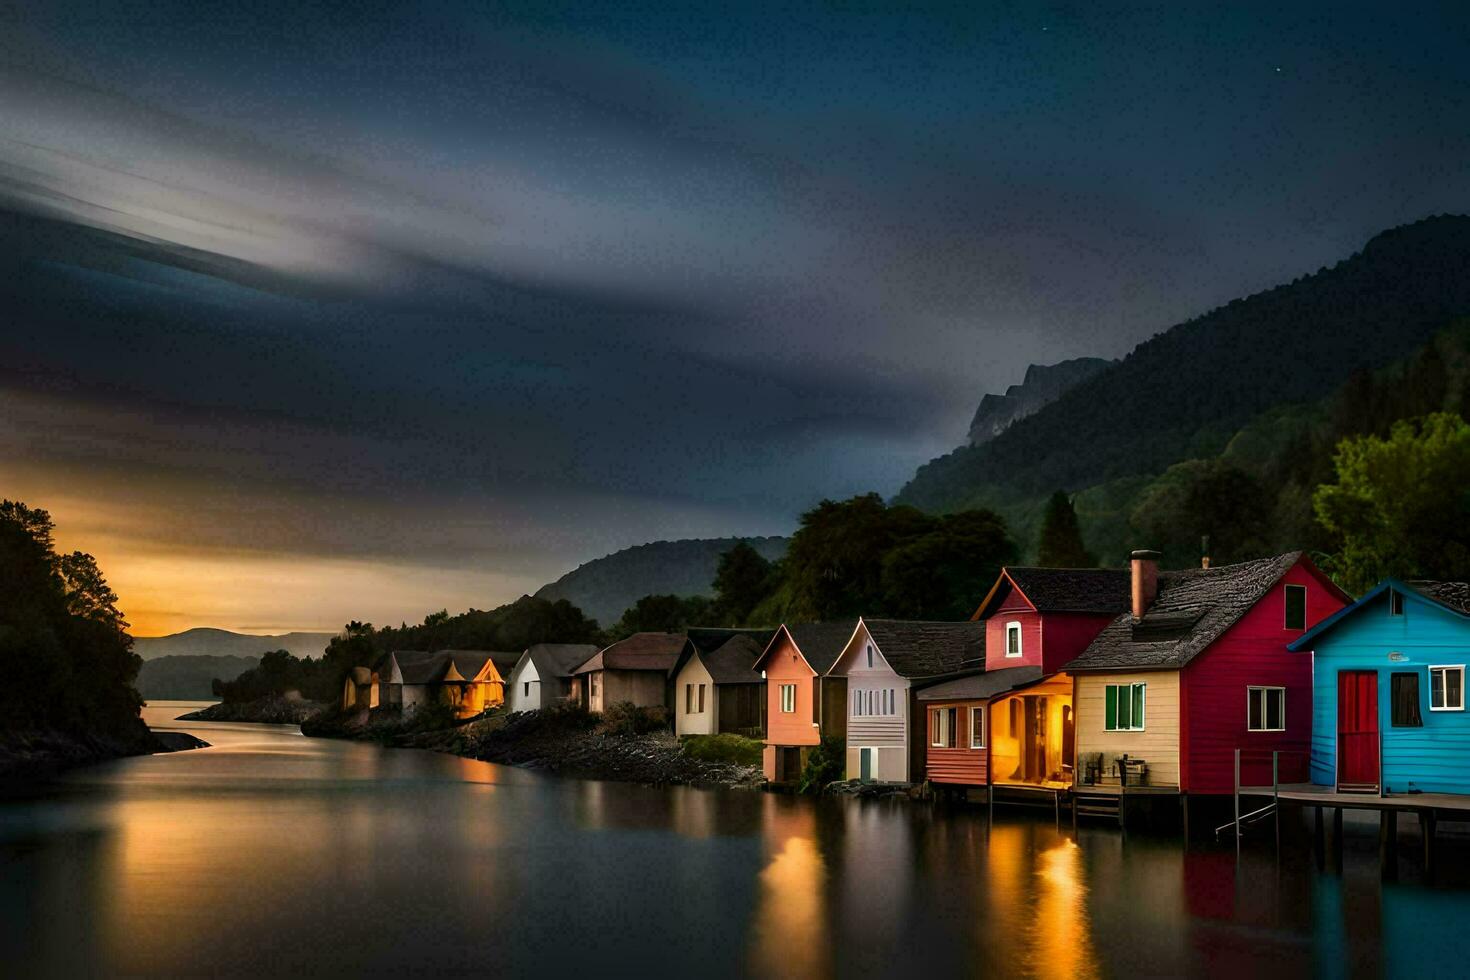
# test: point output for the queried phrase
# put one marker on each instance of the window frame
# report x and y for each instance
(1288, 590)
(1265, 692)
(689, 698)
(1445, 688)
(1013, 628)
(1393, 718)
(937, 720)
(701, 700)
(1395, 603)
(977, 726)
(785, 690)
(1128, 686)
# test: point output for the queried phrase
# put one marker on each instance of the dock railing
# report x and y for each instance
(1279, 759)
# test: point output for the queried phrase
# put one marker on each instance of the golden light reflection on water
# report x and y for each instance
(790, 936)
(1060, 940)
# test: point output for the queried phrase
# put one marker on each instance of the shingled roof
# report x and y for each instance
(916, 648)
(1193, 609)
(732, 663)
(708, 639)
(1452, 595)
(558, 659)
(1074, 590)
(641, 651)
(820, 643)
(980, 684)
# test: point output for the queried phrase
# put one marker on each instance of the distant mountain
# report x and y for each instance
(1042, 385)
(606, 586)
(1185, 393)
(173, 678)
(206, 642)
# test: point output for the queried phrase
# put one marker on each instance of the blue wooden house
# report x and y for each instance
(1388, 679)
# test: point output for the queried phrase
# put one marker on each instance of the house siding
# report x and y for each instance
(644, 688)
(1252, 653)
(525, 673)
(785, 665)
(960, 765)
(1157, 744)
(1434, 758)
(686, 688)
(887, 735)
(1013, 609)
(740, 709)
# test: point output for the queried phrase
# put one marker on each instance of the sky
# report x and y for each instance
(317, 312)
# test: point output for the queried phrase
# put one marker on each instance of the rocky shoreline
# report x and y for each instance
(566, 742)
(30, 754)
(274, 710)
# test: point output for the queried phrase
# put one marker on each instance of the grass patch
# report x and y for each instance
(734, 750)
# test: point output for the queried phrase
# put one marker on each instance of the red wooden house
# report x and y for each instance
(803, 704)
(1014, 725)
(1199, 667)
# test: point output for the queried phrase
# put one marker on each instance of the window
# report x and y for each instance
(788, 698)
(1296, 607)
(1265, 709)
(1123, 707)
(688, 699)
(1013, 639)
(701, 699)
(857, 703)
(1447, 688)
(526, 688)
(1395, 603)
(1404, 698)
(594, 684)
(870, 655)
(977, 728)
(938, 727)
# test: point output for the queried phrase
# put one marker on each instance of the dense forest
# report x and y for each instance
(69, 662)
(1185, 394)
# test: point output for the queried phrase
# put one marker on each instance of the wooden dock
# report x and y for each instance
(1429, 807)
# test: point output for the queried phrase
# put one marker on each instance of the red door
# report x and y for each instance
(1357, 731)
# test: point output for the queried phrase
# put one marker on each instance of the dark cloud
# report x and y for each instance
(438, 288)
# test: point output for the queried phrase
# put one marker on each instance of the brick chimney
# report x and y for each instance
(1145, 565)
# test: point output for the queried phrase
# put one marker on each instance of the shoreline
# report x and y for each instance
(567, 743)
(34, 754)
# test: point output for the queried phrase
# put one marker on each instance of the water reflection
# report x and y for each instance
(272, 855)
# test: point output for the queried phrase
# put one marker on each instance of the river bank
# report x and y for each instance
(28, 754)
(273, 710)
(567, 742)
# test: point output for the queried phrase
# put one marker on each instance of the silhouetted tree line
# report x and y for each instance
(69, 662)
(511, 627)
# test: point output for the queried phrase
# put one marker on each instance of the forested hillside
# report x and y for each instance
(605, 587)
(1186, 393)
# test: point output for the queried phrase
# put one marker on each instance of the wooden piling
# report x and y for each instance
(1319, 834)
(1427, 821)
(1388, 852)
(1337, 839)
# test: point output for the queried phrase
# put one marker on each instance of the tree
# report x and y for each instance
(743, 579)
(1400, 505)
(661, 614)
(1061, 538)
(944, 573)
(69, 661)
(1205, 499)
(834, 565)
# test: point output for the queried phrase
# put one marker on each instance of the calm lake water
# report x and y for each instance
(275, 854)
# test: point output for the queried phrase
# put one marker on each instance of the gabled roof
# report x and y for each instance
(1451, 596)
(1062, 590)
(641, 651)
(557, 659)
(434, 666)
(820, 644)
(708, 639)
(918, 648)
(979, 685)
(1194, 607)
(471, 664)
(732, 663)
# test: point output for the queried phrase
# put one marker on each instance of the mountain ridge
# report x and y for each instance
(209, 641)
(1185, 391)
